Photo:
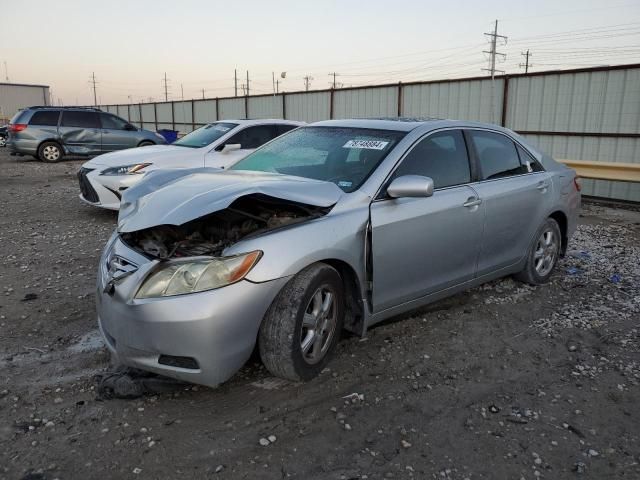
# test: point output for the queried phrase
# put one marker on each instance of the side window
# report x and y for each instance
(280, 129)
(254, 137)
(80, 119)
(497, 155)
(441, 156)
(526, 157)
(47, 118)
(112, 122)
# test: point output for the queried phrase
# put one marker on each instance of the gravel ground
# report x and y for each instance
(504, 381)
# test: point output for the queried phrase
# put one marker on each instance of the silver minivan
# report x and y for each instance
(49, 133)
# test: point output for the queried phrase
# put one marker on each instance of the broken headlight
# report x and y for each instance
(197, 275)
(125, 169)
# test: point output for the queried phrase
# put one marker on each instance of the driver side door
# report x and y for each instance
(423, 245)
(115, 135)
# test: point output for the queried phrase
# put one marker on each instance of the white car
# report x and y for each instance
(218, 145)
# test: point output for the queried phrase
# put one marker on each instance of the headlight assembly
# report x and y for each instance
(197, 275)
(125, 169)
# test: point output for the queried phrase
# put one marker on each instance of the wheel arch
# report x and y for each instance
(146, 141)
(563, 222)
(354, 309)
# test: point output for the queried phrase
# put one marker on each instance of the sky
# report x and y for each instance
(129, 45)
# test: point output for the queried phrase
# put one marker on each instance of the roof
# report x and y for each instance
(405, 124)
(22, 85)
(260, 121)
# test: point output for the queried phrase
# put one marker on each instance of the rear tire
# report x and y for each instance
(303, 324)
(543, 254)
(50, 152)
(146, 143)
(3, 141)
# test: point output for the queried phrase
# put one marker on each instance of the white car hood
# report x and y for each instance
(152, 154)
(174, 197)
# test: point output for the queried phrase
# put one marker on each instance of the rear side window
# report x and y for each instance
(526, 157)
(80, 119)
(497, 155)
(442, 157)
(45, 118)
(19, 117)
(254, 137)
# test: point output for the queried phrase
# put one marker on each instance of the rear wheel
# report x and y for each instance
(303, 324)
(3, 141)
(50, 152)
(146, 143)
(543, 254)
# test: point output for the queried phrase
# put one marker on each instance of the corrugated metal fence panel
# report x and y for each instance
(148, 113)
(594, 102)
(265, 107)
(625, 150)
(366, 102)
(163, 111)
(134, 117)
(232, 108)
(182, 112)
(112, 109)
(204, 111)
(308, 107)
(460, 100)
(123, 112)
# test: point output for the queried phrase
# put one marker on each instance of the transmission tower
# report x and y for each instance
(307, 82)
(92, 81)
(493, 53)
(526, 63)
(165, 84)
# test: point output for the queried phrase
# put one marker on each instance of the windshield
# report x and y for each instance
(342, 155)
(205, 135)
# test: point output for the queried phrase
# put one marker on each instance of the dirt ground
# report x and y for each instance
(502, 382)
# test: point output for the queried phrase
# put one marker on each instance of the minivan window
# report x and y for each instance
(206, 135)
(112, 122)
(497, 155)
(72, 118)
(45, 118)
(441, 156)
(19, 117)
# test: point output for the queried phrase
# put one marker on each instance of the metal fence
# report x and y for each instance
(582, 114)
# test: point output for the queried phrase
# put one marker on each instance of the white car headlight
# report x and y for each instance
(197, 275)
(125, 169)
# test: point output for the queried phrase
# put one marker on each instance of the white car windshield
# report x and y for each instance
(342, 155)
(205, 135)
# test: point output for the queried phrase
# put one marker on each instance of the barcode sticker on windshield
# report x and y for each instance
(366, 144)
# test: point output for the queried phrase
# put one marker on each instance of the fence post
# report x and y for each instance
(399, 99)
(217, 109)
(173, 116)
(246, 107)
(140, 110)
(331, 104)
(284, 106)
(129, 113)
(505, 96)
(155, 114)
(193, 116)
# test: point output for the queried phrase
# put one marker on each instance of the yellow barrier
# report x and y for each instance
(623, 172)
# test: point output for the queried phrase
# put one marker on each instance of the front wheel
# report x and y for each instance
(543, 254)
(50, 152)
(303, 324)
(3, 141)
(146, 143)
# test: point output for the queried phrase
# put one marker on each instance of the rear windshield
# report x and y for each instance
(19, 117)
(205, 135)
(344, 156)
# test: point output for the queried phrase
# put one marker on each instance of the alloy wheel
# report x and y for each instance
(546, 252)
(318, 325)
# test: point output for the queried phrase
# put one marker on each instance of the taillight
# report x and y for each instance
(577, 181)
(17, 127)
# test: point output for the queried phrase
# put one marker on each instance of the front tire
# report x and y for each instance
(303, 324)
(543, 254)
(146, 143)
(50, 152)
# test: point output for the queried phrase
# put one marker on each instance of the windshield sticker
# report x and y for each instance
(221, 128)
(366, 144)
(343, 183)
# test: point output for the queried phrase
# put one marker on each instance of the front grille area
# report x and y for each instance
(86, 189)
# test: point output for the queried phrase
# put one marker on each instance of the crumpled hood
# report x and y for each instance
(174, 197)
(151, 154)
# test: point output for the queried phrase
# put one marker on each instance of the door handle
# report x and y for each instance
(472, 202)
(542, 185)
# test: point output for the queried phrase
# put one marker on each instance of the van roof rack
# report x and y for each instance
(36, 107)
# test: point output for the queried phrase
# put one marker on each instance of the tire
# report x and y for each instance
(303, 314)
(543, 254)
(146, 143)
(50, 152)
(3, 141)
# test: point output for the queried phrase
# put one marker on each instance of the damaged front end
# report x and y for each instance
(211, 234)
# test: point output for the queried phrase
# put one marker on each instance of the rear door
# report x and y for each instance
(515, 196)
(423, 245)
(80, 132)
(248, 138)
(115, 135)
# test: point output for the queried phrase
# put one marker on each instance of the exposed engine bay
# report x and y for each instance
(210, 235)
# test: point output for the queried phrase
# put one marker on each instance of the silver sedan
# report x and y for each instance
(337, 225)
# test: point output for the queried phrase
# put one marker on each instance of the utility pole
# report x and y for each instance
(334, 75)
(493, 53)
(273, 81)
(235, 82)
(182, 92)
(165, 83)
(307, 81)
(6, 72)
(203, 93)
(247, 83)
(526, 63)
(244, 88)
(93, 81)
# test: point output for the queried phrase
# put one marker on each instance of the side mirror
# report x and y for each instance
(230, 147)
(130, 128)
(410, 186)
